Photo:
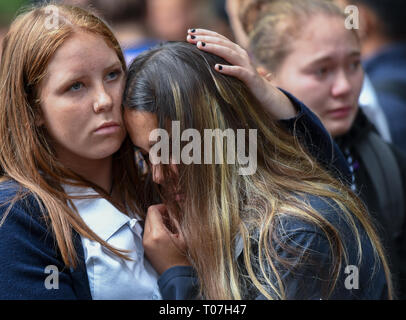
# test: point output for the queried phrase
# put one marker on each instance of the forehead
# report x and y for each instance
(139, 126)
(325, 35)
(83, 50)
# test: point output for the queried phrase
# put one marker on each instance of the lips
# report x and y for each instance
(340, 112)
(108, 127)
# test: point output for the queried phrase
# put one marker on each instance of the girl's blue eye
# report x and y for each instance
(355, 65)
(321, 72)
(112, 75)
(76, 86)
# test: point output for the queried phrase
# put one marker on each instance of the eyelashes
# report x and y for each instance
(79, 85)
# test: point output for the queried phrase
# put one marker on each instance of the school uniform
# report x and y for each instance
(28, 247)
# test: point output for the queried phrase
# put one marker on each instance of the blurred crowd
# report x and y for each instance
(140, 23)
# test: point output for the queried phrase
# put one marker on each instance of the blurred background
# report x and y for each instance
(139, 24)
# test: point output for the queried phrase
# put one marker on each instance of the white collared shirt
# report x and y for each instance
(111, 277)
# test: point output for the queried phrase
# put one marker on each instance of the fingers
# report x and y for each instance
(235, 71)
(154, 222)
(215, 40)
(158, 220)
(163, 248)
(205, 32)
(178, 235)
(219, 45)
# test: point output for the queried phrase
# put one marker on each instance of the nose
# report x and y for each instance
(103, 100)
(157, 174)
(342, 85)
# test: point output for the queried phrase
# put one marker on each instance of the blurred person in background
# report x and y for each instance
(128, 19)
(141, 24)
(7, 12)
(243, 14)
(168, 19)
(3, 31)
(383, 42)
(310, 53)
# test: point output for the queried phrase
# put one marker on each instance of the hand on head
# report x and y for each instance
(272, 99)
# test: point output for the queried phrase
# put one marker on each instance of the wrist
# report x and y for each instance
(279, 105)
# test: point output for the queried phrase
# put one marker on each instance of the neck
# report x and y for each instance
(97, 171)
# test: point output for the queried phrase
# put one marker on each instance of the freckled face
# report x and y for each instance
(81, 99)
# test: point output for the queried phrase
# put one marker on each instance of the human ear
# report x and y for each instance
(38, 117)
(264, 72)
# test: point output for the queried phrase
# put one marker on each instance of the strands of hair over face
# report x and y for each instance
(177, 82)
(26, 155)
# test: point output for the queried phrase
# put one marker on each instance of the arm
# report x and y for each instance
(315, 138)
(307, 249)
(26, 249)
(179, 283)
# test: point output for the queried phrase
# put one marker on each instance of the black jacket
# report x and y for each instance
(391, 226)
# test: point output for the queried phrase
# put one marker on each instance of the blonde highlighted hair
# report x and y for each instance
(177, 82)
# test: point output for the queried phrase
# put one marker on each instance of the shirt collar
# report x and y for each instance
(98, 213)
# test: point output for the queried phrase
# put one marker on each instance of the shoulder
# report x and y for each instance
(18, 207)
(326, 208)
(22, 227)
(28, 249)
(318, 256)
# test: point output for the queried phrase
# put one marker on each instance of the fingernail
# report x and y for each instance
(192, 30)
(203, 44)
(220, 67)
(193, 37)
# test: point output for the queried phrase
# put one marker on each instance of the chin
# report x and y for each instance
(106, 150)
(340, 130)
(340, 127)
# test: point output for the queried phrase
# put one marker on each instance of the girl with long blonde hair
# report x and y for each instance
(287, 231)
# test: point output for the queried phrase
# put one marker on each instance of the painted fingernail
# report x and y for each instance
(193, 37)
(203, 44)
(192, 30)
(220, 67)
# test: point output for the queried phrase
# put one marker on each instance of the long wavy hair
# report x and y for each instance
(26, 156)
(177, 82)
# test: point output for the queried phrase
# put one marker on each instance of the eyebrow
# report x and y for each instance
(75, 76)
(321, 59)
(116, 64)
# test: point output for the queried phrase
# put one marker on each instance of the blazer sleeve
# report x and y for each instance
(305, 260)
(30, 265)
(179, 283)
(315, 138)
